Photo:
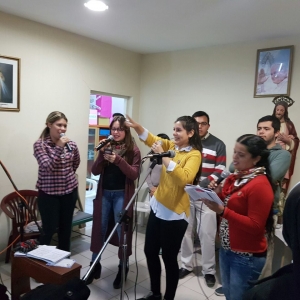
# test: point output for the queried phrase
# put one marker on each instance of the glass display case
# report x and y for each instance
(96, 134)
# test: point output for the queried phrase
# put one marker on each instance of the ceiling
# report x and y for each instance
(150, 26)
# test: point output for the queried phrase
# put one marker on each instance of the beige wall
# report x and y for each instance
(58, 71)
(218, 80)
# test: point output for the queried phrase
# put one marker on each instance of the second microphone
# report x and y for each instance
(104, 142)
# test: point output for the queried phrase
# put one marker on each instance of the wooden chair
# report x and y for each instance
(10, 206)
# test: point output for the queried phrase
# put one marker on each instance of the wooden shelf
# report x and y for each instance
(93, 141)
(98, 126)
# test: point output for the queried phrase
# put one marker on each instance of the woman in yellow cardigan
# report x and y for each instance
(170, 204)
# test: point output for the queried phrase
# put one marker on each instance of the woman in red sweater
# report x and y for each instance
(246, 216)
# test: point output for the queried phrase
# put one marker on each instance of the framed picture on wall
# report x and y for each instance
(273, 71)
(9, 83)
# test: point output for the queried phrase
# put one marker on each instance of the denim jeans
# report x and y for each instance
(236, 271)
(111, 200)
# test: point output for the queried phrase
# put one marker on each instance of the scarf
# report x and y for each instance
(237, 180)
(118, 147)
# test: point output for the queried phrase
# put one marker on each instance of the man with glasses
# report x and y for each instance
(213, 163)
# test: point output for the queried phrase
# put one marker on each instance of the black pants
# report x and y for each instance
(168, 236)
(57, 216)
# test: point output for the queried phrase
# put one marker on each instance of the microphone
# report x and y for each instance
(67, 144)
(224, 175)
(169, 153)
(104, 142)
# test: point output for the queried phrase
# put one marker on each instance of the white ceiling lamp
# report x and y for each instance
(96, 5)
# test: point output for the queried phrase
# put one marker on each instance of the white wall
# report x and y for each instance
(58, 71)
(118, 105)
(218, 80)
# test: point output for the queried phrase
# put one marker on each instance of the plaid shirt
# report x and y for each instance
(57, 167)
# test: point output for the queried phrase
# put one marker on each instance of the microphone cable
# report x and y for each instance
(134, 229)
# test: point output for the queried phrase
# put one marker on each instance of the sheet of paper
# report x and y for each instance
(196, 192)
(65, 263)
(48, 254)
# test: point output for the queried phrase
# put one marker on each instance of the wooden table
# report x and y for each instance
(22, 268)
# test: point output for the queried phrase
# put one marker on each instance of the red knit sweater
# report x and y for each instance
(247, 212)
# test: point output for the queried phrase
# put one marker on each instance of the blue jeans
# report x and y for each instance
(236, 271)
(111, 200)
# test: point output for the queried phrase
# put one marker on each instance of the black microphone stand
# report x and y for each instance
(21, 206)
(124, 219)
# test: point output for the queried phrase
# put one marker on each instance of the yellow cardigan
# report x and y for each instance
(170, 191)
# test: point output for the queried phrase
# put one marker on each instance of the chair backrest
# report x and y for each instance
(10, 205)
(92, 184)
(143, 195)
(92, 189)
(95, 177)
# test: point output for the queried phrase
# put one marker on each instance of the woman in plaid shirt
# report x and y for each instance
(57, 183)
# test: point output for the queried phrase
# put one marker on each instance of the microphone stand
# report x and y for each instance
(21, 206)
(124, 219)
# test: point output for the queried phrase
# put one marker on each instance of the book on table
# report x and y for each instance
(49, 254)
(196, 192)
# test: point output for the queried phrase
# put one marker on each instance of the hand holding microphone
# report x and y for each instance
(156, 147)
(157, 151)
(215, 185)
(104, 142)
(64, 141)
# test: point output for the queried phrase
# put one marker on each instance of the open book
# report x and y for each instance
(196, 192)
(49, 254)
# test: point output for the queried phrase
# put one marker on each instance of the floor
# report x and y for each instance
(192, 287)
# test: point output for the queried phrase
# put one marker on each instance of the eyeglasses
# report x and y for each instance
(202, 123)
(117, 129)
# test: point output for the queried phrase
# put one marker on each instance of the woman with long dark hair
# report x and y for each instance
(247, 220)
(118, 163)
(170, 204)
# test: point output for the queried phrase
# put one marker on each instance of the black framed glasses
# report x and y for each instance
(202, 123)
(117, 129)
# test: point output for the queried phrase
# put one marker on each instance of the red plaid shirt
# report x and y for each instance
(57, 167)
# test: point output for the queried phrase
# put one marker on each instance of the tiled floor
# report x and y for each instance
(192, 287)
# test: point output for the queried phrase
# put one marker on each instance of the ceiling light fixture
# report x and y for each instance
(96, 5)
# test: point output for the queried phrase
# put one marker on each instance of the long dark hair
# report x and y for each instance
(286, 114)
(190, 124)
(128, 140)
(257, 146)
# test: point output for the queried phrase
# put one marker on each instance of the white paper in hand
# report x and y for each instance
(196, 192)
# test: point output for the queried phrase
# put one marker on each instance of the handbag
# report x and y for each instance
(75, 289)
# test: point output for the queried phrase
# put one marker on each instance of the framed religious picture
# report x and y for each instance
(273, 71)
(9, 83)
